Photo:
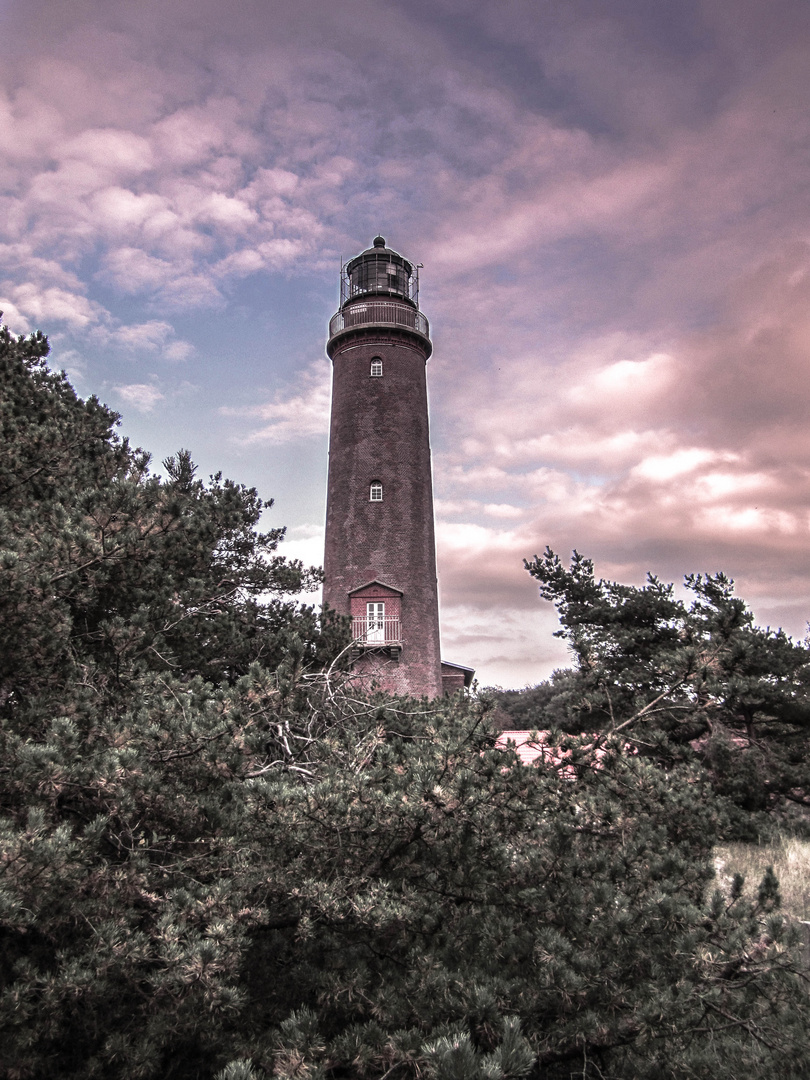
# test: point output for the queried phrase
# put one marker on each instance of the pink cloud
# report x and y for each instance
(611, 212)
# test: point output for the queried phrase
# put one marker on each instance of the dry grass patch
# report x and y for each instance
(790, 859)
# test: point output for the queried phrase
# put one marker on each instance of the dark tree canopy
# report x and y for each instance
(681, 678)
(108, 570)
(220, 860)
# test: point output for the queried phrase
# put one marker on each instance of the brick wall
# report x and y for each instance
(379, 431)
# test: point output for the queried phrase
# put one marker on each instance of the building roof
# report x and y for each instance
(530, 751)
(375, 581)
(538, 750)
(467, 672)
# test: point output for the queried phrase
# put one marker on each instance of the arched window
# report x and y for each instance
(376, 366)
(375, 491)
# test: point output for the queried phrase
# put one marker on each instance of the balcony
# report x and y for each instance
(385, 313)
(382, 633)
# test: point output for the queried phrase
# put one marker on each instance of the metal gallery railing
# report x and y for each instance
(379, 313)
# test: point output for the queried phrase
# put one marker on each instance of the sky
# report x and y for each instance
(610, 203)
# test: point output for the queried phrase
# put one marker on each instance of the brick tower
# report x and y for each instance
(380, 558)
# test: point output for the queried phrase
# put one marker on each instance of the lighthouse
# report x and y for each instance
(380, 555)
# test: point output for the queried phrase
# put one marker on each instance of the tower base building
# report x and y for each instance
(380, 556)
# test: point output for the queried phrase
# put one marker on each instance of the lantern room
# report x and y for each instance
(379, 271)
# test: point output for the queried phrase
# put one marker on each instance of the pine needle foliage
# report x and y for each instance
(221, 861)
(680, 679)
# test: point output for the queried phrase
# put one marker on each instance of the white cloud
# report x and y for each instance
(304, 542)
(240, 264)
(149, 335)
(713, 486)
(503, 510)
(141, 396)
(506, 647)
(42, 306)
(660, 467)
(132, 270)
(178, 351)
(120, 211)
(189, 291)
(115, 151)
(154, 336)
(299, 412)
(224, 210)
(20, 259)
(13, 318)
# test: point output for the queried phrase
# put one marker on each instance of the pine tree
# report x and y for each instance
(219, 860)
(673, 676)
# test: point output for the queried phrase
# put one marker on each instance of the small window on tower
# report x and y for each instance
(375, 491)
(376, 366)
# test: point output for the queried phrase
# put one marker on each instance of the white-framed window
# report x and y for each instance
(375, 621)
(376, 367)
(375, 491)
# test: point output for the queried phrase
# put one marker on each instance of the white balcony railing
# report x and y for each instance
(384, 631)
(379, 313)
